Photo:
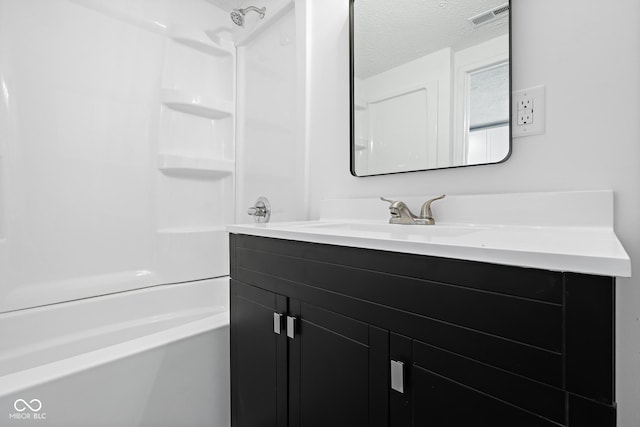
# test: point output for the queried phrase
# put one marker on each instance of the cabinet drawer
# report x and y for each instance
(528, 283)
(441, 402)
(474, 377)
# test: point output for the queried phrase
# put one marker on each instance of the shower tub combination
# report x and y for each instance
(114, 202)
(151, 357)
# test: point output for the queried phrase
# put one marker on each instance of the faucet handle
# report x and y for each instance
(261, 210)
(425, 211)
(387, 200)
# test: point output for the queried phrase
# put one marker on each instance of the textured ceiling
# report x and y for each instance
(389, 33)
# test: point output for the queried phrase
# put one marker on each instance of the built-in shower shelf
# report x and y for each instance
(197, 105)
(199, 40)
(360, 107)
(179, 164)
(361, 147)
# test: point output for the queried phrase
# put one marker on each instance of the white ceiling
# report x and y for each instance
(389, 33)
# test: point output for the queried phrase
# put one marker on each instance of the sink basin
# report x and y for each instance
(392, 231)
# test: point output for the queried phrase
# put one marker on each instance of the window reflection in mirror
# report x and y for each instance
(488, 137)
(430, 84)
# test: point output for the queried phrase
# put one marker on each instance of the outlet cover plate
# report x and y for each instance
(534, 97)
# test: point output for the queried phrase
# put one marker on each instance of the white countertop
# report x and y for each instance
(590, 248)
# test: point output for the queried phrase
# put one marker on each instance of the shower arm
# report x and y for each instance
(261, 11)
(237, 15)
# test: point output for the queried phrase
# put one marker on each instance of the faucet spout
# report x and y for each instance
(400, 212)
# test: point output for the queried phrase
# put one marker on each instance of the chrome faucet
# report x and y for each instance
(401, 214)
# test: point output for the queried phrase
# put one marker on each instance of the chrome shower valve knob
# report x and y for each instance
(261, 210)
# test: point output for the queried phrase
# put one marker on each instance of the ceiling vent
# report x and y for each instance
(490, 15)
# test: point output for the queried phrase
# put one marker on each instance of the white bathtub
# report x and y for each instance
(152, 357)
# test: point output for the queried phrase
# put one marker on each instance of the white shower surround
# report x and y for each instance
(117, 151)
(117, 173)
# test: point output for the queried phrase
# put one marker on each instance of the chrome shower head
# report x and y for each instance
(237, 15)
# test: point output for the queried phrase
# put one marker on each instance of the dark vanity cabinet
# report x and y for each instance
(321, 369)
(326, 335)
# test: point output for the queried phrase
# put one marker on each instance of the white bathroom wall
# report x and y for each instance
(116, 139)
(590, 67)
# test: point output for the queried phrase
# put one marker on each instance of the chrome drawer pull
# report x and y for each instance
(291, 326)
(397, 376)
(277, 323)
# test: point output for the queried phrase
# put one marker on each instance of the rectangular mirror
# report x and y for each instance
(430, 84)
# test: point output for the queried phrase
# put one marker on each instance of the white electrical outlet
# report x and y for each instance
(528, 112)
(525, 103)
(525, 117)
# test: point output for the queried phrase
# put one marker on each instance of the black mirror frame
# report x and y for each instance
(352, 159)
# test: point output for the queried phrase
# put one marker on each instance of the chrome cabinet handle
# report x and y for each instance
(291, 327)
(397, 376)
(277, 323)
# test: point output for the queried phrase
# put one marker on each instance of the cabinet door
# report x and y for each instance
(338, 370)
(447, 390)
(258, 358)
